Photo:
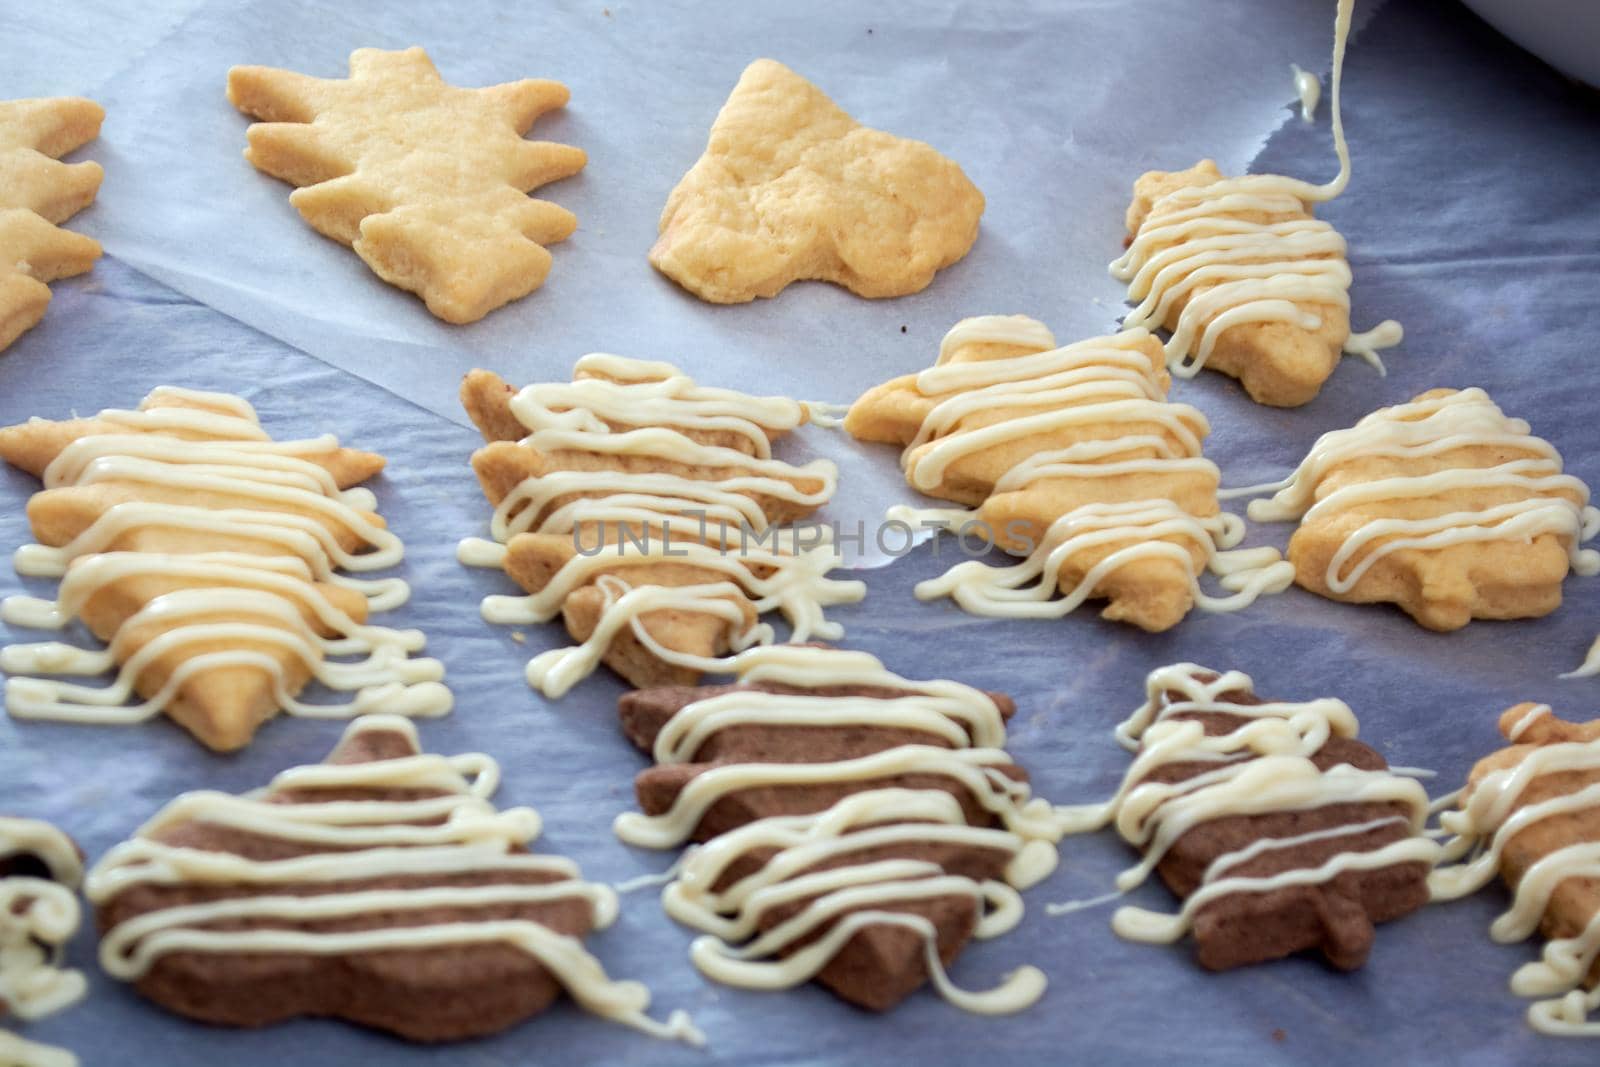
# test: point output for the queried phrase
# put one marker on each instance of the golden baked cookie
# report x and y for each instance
(425, 180)
(791, 188)
(37, 191)
(210, 559)
(648, 512)
(1531, 813)
(1443, 506)
(1246, 279)
(1073, 458)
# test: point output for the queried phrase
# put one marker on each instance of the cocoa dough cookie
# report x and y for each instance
(380, 887)
(1280, 830)
(857, 828)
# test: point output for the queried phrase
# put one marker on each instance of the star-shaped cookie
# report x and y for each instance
(37, 191)
(792, 188)
(425, 180)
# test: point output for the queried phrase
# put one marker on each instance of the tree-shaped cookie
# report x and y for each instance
(425, 180)
(857, 828)
(1072, 458)
(648, 512)
(37, 191)
(212, 562)
(1279, 829)
(1531, 813)
(1444, 506)
(792, 188)
(381, 886)
(1242, 274)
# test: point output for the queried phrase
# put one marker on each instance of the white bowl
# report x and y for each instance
(1563, 33)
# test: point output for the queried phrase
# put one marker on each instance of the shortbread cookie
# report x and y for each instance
(426, 181)
(1443, 506)
(40, 870)
(1531, 813)
(36, 192)
(1280, 830)
(1073, 458)
(210, 559)
(791, 188)
(380, 887)
(648, 512)
(1247, 281)
(859, 828)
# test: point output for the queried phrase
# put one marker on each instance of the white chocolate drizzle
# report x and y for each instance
(1101, 382)
(1548, 502)
(37, 917)
(277, 498)
(455, 831)
(847, 897)
(851, 897)
(621, 518)
(1262, 765)
(1213, 237)
(1492, 814)
(1308, 87)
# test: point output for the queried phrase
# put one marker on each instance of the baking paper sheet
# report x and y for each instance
(1051, 108)
(1471, 218)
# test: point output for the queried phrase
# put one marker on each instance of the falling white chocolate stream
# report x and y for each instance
(1210, 237)
(455, 832)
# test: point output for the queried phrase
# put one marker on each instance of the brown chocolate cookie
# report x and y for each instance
(380, 887)
(1329, 899)
(886, 875)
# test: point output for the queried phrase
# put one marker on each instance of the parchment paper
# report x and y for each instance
(1049, 107)
(1471, 218)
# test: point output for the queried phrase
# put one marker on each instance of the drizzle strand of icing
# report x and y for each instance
(37, 917)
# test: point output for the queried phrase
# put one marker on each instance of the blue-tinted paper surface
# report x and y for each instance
(1471, 218)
